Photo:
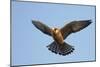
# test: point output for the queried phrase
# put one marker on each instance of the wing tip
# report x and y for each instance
(89, 22)
(34, 21)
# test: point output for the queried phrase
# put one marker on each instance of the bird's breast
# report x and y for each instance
(57, 36)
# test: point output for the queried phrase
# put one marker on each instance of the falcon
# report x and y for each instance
(58, 46)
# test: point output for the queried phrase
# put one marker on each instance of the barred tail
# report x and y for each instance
(63, 49)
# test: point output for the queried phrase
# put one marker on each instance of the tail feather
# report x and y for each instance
(63, 49)
(53, 47)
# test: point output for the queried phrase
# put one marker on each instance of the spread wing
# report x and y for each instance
(42, 27)
(74, 26)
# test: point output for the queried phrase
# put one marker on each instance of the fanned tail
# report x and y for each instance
(63, 49)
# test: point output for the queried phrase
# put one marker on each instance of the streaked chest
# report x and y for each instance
(57, 36)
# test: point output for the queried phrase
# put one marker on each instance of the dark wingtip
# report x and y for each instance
(89, 22)
(34, 21)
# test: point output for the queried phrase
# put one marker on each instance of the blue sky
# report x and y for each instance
(29, 44)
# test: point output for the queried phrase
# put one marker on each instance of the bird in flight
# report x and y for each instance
(58, 46)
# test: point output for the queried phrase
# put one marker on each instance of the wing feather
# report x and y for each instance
(74, 26)
(42, 27)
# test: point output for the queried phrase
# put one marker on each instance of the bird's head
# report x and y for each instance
(55, 30)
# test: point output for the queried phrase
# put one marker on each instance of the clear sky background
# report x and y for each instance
(29, 44)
